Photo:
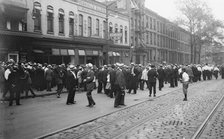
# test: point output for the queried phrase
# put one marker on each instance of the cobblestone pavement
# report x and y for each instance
(215, 127)
(164, 117)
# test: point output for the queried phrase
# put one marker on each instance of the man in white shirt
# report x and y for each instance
(185, 81)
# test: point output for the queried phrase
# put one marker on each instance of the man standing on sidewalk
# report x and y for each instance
(185, 80)
(152, 75)
(119, 85)
(71, 84)
(90, 84)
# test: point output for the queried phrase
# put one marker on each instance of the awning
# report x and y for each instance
(89, 52)
(110, 53)
(71, 52)
(55, 52)
(95, 53)
(38, 51)
(64, 52)
(114, 54)
(82, 52)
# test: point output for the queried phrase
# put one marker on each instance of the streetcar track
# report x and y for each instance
(202, 127)
(112, 121)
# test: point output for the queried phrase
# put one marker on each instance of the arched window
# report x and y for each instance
(89, 26)
(37, 16)
(71, 23)
(121, 31)
(61, 15)
(80, 24)
(116, 28)
(97, 27)
(50, 19)
(126, 34)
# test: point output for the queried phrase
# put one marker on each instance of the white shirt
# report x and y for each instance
(144, 75)
(185, 77)
(6, 74)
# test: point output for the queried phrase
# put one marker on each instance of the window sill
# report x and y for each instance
(49, 32)
(37, 31)
(61, 34)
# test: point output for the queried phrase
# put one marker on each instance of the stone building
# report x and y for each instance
(60, 31)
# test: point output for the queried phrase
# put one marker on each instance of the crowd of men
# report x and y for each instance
(113, 80)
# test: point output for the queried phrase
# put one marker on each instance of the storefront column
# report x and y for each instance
(76, 59)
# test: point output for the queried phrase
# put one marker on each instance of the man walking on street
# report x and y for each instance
(185, 81)
(152, 75)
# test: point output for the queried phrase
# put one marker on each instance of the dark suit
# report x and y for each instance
(152, 75)
(100, 81)
(90, 84)
(112, 81)
(161, 76)
(71, 84)
(119, 88)
(133, 80)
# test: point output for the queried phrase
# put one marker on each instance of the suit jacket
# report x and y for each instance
(152, 75)
(89, 80)
(161, 73)
(120, 79)
(112, 76)
(71, 81)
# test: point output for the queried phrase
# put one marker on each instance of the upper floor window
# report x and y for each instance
(116, 31)
(104, 29)
(61, 15)
(81, 25)
(154, 24)
(121, 31)
(71, 23)
(89, 26)
(50, 19)
(97, 27)
(126, 34)
(37, 16)
(150, 22)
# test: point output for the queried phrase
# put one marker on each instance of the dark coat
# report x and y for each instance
(133, 79)
(112, 76)
(89, 80)
(71, 81)
(161, 73)
(105, 71)
(100, 75)
(120, 79)
(152, 75)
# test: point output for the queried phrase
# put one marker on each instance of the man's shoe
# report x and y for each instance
(154, 95)
(117, 106)
(68, 103)
(185, 99)
(18, 104)
(123, 104)
(89, 106)
(149, 95)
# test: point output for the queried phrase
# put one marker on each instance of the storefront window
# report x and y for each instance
(61, 21)
(50, 19)
(37, 16)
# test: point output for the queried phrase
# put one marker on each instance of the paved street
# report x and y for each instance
(165, 116)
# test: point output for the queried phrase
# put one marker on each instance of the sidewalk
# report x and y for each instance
(43, 115)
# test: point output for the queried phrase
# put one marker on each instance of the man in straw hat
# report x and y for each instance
(71, 83)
